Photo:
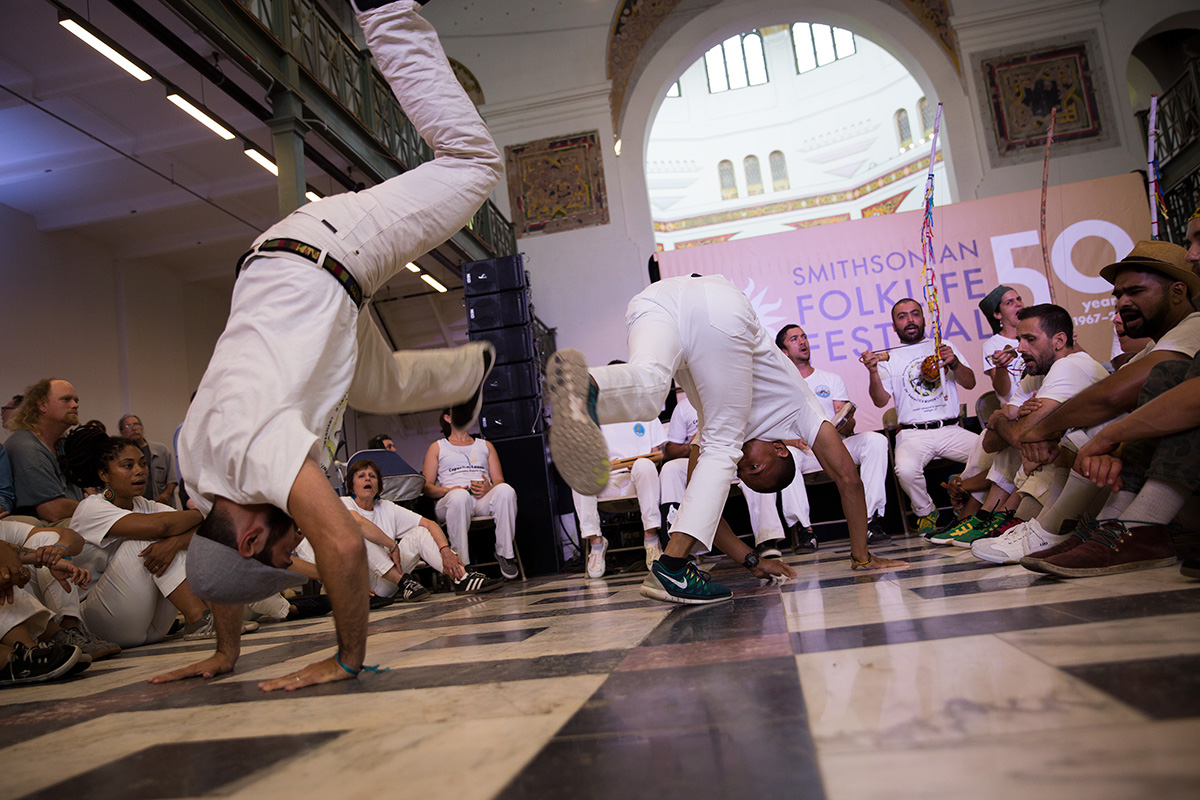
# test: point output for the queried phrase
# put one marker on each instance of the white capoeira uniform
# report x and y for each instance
(26, 610)
(458, 465)
(921, 406)
(703, 332)
(43, 586)
(1016, 367)
(625, 440)
(125, 603)
(414, 543)
(296, 349)
(672, 478)
(869, 450)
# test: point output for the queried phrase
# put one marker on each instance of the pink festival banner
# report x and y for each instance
(839, 282)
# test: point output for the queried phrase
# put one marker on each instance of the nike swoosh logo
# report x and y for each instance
(680, 584)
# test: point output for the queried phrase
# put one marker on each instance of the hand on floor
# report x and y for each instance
(326, 671)
(773, 569)
(216, 664)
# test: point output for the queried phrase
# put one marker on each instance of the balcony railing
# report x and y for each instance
(347, 72)
(1178, 147)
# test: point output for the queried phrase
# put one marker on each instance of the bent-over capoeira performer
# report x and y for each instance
(296, 350)
(703, 332)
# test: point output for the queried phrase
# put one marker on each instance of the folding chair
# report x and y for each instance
(402, 484)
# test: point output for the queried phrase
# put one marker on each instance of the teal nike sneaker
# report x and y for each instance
(689, 585)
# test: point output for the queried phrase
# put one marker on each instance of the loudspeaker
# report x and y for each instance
(512, 344)
(511, 418)
(493, 275)
(500, 310)
(526, 464)
(511, 382)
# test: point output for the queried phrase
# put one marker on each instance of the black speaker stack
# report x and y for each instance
(498, 309)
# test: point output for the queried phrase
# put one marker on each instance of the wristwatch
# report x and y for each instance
(751, 560)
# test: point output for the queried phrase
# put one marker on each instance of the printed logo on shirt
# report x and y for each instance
(639, 429)
(822, 391)
(915, 385)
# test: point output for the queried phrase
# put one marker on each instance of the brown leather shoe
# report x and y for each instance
(1114, 547)
(1033, 561)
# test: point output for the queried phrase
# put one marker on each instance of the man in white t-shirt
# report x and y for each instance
(927, 406)
(634, 449)
(869, 450)
(296, 350)
(1047, 344)
(703, 332)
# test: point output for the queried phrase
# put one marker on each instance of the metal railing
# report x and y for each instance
(348, 73)
(1178, 148)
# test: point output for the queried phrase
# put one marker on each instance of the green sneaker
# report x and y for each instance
(961, 529)
(927, 524)
(689, 586)
(984, 529)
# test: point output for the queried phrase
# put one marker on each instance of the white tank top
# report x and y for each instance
(458, 465)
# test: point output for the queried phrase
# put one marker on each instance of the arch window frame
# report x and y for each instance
(747, 69)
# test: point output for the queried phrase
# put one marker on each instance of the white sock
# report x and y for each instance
(598, 544)
(1157, 503)
(1116, 505)
(1076, 496)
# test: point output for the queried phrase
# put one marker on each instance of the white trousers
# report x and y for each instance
(128, 605)
(644, 478)
(25, 609)
(44, 588)
(717, 339)
(1004, 469)
(978, 463)
(415, 546)
(672, 480)
(455, 509)
(915, 448)
(868, 449)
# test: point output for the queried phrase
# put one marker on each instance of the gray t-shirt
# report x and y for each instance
(37, 477)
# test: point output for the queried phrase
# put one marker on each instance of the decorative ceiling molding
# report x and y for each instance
(934, 16)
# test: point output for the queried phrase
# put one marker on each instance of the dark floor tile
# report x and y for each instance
(1024, 580)
(406, 624)
(576, 596)
(741, 616)
(1161, 688)
(852, 578)
(183, 769)
(734, 760)
(472, 639)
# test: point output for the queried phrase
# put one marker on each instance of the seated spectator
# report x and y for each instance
(160, 482)
(672, 477)
(23, 621)
(463, 474)
(634, 450)
(8, 408)
(8, 494)
(1152, 476)
(135, 548)
(43, 495)
(97, 424)
(382, 442)
(398, 539)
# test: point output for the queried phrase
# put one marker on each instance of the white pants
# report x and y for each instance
(978, 463)
(24, 610)
(128, 605)
(1004, 469)
(414, 546)
(644, 478)
(915, 448)
(455, 509)
(716, 348)
(45, 589)
(672, 481)
(868, 449)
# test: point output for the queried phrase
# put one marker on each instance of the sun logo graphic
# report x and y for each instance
(762, 307)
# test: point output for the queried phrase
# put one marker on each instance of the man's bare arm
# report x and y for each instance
(673, 450)
(56, 509)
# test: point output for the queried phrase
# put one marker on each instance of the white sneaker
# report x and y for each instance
(595, 559)
(653, 551)
(1016, 543)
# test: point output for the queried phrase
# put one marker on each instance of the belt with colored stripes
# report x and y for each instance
(313, 254)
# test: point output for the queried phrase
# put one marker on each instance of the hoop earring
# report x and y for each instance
(108, 494)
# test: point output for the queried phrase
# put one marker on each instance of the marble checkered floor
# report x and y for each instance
(951, 678)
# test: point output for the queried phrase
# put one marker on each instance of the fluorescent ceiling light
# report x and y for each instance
(433, 282)
(104, 49)
(263, 161)
(201, 117)
(313, 196)
(412, 267)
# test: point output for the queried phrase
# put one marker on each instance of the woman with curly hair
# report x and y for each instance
(136, 546)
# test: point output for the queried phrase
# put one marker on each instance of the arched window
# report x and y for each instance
(903, 130)
(926, 112)
(779, 174)
(737, 62)
(818, 45)
(754, 184)
(728, 180)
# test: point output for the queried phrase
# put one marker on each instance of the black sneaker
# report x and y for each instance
(378, 601)
(807, 543)
(464, 414)
(875, 532)
(508, 567)
(1190, 568)
(411, 590)
(476, 583)
(46, 662)
(771, 548)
